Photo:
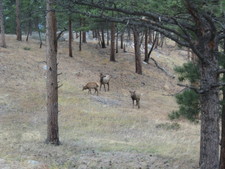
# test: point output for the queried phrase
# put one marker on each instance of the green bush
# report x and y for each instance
(188, 100)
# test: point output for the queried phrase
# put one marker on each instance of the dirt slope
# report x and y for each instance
(96, 131)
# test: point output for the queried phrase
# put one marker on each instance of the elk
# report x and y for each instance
(91, 85)
(104, 79)
(135, 97)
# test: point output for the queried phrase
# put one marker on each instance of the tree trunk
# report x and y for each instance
(150, 40)
(146, 46)
(3, 43)
(161, 40)
(80, 37)
(124, 48)
(222, 148)
(103, 38)
(18, 26)
(209, 103)
(129, 34)
(117, 41)
(36, 25)
(51, 82)
(70, 37)
(107, 34)
(121, 40)
(157, 40)
(80, 43)
(84, 39)
(138, 65)
(29, 27)
(112, 55)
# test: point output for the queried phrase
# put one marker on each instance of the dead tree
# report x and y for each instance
(51, 81)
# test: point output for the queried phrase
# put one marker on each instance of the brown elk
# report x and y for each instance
(135, 97)
(91, 85)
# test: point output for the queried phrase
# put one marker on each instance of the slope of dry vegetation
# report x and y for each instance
(96, 131)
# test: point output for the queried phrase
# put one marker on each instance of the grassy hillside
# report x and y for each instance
(95, 131)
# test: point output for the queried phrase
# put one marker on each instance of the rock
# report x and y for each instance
(33, 162)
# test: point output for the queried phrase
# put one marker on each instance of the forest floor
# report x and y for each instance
(95, 131)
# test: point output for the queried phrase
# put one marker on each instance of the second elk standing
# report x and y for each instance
(104, 79)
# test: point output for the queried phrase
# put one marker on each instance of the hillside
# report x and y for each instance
(95, 131)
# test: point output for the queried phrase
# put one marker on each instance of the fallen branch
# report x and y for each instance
(161, 68)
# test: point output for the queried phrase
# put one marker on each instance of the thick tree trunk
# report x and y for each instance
(112, 55)
(209, 103)
(222, 148)
(51, 82)
(3, 43)
(18, 26)
(70, 37)
(138, 64)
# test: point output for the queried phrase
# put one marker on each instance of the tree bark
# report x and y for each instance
(209, 101)
(51, 82)
(18, 26)
(138, 64)
(3, 43)
(117, 41)
(84, 39)
(146, 46)
(222, 148)
(80, 41)
(29, 25)
(70, 37)
(103, 38)
(121, 40)
(112, 55)
(107, 34)
(150, 40)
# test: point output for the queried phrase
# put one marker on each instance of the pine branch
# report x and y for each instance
(197, 90)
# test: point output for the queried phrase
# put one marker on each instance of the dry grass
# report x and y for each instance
(94, 134)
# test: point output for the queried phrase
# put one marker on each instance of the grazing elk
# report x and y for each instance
(135, 97)
(91, 85)
(104, 79)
